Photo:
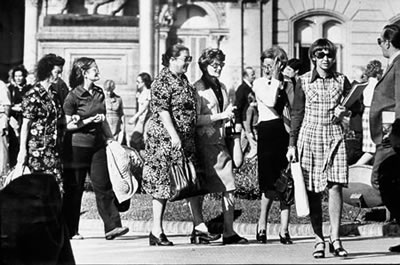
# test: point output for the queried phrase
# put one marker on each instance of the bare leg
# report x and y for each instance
(316, 215)
(285, 216)
(265, 206)
(335, 209)
(158, 214)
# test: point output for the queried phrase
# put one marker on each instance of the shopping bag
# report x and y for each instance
(184, 182)
(300, 192)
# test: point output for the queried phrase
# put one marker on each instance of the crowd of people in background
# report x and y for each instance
(282, 116)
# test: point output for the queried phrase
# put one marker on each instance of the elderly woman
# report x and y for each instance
(271, 92)
(317, 139)
(214, 160)
(170, 131)
(85, 110)
(41, 110)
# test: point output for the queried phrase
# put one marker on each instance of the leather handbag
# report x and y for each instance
(285, 186)
(183, 178)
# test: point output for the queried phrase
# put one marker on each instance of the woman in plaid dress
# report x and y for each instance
(317, 138)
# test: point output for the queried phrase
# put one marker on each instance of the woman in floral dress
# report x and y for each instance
(171, 128)
(40, 110)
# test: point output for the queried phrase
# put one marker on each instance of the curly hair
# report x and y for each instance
(146, 78)
(208, 56)
(20, 68)
(109, 85)
(275, 52)
(79, 66)
(321, 44)
(172, 52)
(374, 69)
(46, 65)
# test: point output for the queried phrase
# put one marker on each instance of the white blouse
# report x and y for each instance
(266, 91)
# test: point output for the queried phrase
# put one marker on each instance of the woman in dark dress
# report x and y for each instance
(170, 130)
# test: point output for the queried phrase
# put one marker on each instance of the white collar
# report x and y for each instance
(247, 82)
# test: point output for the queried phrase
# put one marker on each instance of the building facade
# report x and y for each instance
(127, 37)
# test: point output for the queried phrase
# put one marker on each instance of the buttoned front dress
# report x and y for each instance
(320, 144)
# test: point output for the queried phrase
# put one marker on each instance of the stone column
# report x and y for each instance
(30, 31)
(146, 36)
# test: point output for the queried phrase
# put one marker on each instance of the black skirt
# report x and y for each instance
(273, 141)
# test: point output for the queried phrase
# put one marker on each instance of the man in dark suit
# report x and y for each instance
(385, 109)
(242, 103)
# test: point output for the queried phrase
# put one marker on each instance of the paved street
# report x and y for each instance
(133, 248)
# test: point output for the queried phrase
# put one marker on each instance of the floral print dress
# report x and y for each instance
(43, 110)
(175, 95)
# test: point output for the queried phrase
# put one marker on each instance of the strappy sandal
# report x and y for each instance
(339, 251)
(319, 253)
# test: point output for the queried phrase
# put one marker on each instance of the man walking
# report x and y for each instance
(385, 109)
(242, 103)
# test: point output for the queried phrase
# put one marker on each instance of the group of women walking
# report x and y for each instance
(189, 120)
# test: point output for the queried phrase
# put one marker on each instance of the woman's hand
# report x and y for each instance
(291, 154)
(276, 68)
(133, 120)
(99, 118)
(339, 113)
(229, 112)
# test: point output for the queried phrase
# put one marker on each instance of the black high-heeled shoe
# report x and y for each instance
(285, 240)
(200, 237)
(159, 241)
(261, 235)
(235, 239)
(339, 251)
(319, 253)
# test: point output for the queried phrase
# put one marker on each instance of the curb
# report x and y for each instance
(295, 230)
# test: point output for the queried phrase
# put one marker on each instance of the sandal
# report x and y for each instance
(319, 252)
(338, 251)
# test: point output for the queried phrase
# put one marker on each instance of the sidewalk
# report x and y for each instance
(295, 230)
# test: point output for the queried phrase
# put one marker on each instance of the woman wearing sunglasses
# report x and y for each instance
(317, 141)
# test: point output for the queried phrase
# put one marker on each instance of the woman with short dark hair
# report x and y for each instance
(170, 132)
(317, 139)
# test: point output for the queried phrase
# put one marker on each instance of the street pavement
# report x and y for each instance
(133, 248)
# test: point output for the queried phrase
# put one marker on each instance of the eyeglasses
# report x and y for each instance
(186, 59)
(380, 41)
(322, 54)
(216, 65)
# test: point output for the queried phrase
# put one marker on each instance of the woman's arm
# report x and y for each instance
(297, 114)
(26, 124)
(168, 124)
(144, 107)
(122, 132)
(75, 123)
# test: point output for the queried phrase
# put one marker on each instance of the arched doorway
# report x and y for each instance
(12, 17)
(308, 29)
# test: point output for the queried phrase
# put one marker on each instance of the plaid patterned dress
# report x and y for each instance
(320, 144)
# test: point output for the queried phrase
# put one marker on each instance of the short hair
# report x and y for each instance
(172, 52)
(321, 44)
(275, 52)
(251, 97)
(80, 65)
(58, 60)
(295, 64)
(244, 73)
(391, 33)
(109, 85)
(45, 66)
(208, 56)
(374, 69)
(146, 78)
(20, 68)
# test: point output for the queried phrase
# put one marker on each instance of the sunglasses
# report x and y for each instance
(186, 60)
(322, 54)
(216, 65)
(380, 41)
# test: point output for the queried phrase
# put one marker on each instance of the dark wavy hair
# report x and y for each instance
(46, 65)
(374, 69)
(146, 78)
(321, 44)
(79, 66)
(208, 56)
(275, 52)
(20, 68)
(391, 32)
(172, 52)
